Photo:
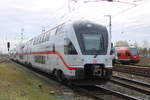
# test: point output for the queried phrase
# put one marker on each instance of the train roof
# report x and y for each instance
(87, 23)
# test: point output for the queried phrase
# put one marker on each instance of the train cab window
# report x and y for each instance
(93, 42)
(92, 38)
(69, 48)
(118, 54)
(133, 51)
(128, 54)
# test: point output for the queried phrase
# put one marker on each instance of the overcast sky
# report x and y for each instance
(129, 23)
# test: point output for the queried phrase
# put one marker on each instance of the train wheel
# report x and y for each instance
(60, 76)
(30, 65)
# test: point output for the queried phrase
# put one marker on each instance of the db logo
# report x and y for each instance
(94, 61)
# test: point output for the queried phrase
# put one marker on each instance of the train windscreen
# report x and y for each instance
(92, 38)
(134, 51)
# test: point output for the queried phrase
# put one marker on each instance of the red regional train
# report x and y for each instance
(126, 55)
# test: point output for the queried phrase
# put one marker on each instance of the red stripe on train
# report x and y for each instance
(52, 52)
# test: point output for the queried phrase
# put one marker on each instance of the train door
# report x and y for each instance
(28, 55)
(59, 46)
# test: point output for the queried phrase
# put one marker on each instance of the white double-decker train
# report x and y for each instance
(78, 51)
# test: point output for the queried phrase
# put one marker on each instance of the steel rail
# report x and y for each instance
(122, 95)
(132, 84)
(132, 80)
(86, 92)
(133, 70)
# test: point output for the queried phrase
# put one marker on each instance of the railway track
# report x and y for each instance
(132, 84)
(4, 59)
(142, 71)
(133, 65)
(142, 65)
(102, 93)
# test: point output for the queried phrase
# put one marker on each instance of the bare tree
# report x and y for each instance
(136, 44)
(145, 48)
(149, 53)
(145, 44)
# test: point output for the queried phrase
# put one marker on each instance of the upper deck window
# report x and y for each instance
(60, 30)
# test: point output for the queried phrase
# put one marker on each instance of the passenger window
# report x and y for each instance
(39, 59)
(47, 37)
(21, 57)
(39, 40)
(34, 42)
(43, 37)
(53, 32)
(60, 30)
(69, 48)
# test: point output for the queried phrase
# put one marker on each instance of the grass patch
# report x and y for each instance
(18, 84)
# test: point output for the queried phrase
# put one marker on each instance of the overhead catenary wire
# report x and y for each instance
(127, 9)
(70, 10)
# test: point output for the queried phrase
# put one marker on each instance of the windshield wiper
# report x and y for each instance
(95, 55)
